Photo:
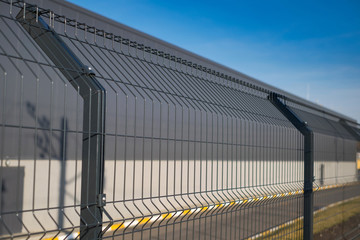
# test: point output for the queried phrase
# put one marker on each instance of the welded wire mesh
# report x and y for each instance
(337, 197)
(189, 152)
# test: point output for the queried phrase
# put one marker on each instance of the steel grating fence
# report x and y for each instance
(104, 137)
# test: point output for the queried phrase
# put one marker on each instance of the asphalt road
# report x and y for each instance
(234, 222)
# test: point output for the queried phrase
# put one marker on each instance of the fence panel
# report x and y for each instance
(103, 137)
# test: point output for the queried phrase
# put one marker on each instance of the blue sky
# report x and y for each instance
(309, 48)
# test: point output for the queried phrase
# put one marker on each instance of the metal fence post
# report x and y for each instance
(308, 182)
(308, 161)
(82, 79)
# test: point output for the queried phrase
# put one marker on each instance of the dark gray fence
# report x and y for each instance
(106, 136)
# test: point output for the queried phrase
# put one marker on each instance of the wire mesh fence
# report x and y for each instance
(104, 137)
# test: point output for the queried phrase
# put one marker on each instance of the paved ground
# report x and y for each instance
(238, 222)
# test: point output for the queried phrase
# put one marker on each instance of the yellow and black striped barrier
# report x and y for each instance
(187, 212)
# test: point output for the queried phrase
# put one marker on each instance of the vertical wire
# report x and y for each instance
(77, 133)
(188, 169)
(117, 122)
(243, 179)
(260, 184)
(18, 207)
(253, 174)
(217, 169)
(290, 179)
(3, 121)
(267, 159)
(161, 149)
(159, 160)
(151, 155)
(143, 160)
(274, 174)
(175, 161)
(228, 198)
(64, 150)
(167, 164)
(237, 178)
(134, 159)
(206, 171)
(256, 185)
(232, 174)
(181, 160)
(209, 167)
(125, 156)
(204, 202)
(194, 176)
(213, 147)
(248, 177)
(264, 167)
(35, 152)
